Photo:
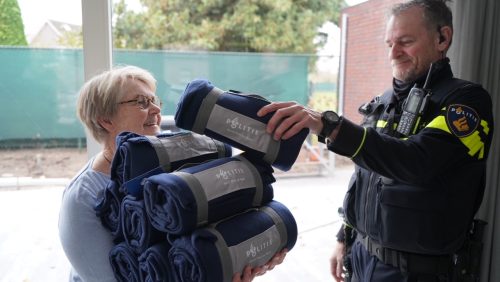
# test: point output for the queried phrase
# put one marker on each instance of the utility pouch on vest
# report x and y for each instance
(372, 112)
(349, 237)
(348, 267)
(466, 266)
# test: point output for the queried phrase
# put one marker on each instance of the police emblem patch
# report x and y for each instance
(462, 120)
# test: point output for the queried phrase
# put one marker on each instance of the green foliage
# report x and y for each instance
(322, 101)
(71, 39)
(11, 24)
(224, 25)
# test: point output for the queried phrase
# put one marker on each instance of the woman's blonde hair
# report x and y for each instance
(99, 97)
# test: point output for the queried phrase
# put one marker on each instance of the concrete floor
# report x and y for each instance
(30, 248)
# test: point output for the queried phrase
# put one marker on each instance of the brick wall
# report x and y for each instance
(367, 70)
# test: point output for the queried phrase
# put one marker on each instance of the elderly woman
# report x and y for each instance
(122, 99)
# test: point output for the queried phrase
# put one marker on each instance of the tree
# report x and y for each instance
(71, 39)
(11, 24)
(224, 25)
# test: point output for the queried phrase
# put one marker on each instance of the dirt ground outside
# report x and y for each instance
(42, 163)
(66, 162)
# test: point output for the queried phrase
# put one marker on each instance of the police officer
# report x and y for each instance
(420, 155)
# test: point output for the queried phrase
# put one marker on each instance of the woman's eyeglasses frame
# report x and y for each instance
(143, 102)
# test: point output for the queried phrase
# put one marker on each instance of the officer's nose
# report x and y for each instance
(395, 51)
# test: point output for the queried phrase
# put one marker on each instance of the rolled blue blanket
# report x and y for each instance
(124, 263)
(181, 201)
(108, 210)
(232, 118)
(155, 265)
(251, 238)
(138, 156)
(138, 232)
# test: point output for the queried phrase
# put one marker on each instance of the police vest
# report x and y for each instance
(416, 220)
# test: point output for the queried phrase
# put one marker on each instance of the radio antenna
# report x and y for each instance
(428, 76)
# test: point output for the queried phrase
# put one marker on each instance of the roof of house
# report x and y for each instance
(50, 31)
(60, 27)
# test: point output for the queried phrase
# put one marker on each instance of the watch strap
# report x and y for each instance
(321, 139)
(328, 126)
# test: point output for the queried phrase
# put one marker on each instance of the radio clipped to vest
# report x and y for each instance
(414, 107)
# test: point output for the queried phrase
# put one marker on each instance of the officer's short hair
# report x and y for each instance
(436, 13)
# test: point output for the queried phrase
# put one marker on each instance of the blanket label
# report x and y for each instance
(240, 128)
(226, 178)
(257, 250)
(185, 146)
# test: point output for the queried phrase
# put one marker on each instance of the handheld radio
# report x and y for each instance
(414, 108)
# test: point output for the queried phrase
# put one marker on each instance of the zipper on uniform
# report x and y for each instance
(367, 202)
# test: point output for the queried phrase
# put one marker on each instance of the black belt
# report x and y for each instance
(408, 262)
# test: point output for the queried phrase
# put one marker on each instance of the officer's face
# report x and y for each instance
(412, 46)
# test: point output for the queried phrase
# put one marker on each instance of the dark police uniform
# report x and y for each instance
(412, 199)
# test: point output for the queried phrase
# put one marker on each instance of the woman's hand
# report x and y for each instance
(290, 118)
(250, 273)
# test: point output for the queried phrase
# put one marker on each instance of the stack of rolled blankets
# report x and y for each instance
(184, 207)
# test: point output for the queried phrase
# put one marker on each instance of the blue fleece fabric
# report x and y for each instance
(248, 105)
(172, 206)
(108, 210)
(155, 265)
(195, 257)
(124, 263)
(138, 232)
(136, 158)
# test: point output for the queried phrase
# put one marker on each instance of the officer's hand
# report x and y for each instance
(337, 262)
(289, 119)
(249, 273)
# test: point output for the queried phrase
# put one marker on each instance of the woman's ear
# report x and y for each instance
(105, 123)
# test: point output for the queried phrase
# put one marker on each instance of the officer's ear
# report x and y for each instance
(445, 34)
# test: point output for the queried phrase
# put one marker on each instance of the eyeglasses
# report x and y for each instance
(144, 102)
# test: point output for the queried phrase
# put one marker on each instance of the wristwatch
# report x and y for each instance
(330, 120)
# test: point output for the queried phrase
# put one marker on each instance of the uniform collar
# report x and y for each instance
(441, 70)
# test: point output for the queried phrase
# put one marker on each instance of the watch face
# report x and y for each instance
(330, 120)
(331, 116)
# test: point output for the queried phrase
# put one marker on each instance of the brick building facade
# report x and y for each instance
(367, 67)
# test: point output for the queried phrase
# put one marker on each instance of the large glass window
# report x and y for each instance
(179, 47)
(43, 144)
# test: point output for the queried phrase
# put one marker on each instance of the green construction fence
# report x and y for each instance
(39, 87)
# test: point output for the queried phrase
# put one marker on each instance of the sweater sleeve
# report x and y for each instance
(85, 241)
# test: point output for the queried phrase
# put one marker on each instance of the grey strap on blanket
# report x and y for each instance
(202, 198)
(259, 189)
(161, 152)
(272, 154)
(182, 146)
(205, 109)
(224, 254)
(227, 261)
(220, 148)
(199, 195)
(280, 225)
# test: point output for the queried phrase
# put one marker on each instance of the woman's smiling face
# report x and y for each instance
(131, 116)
